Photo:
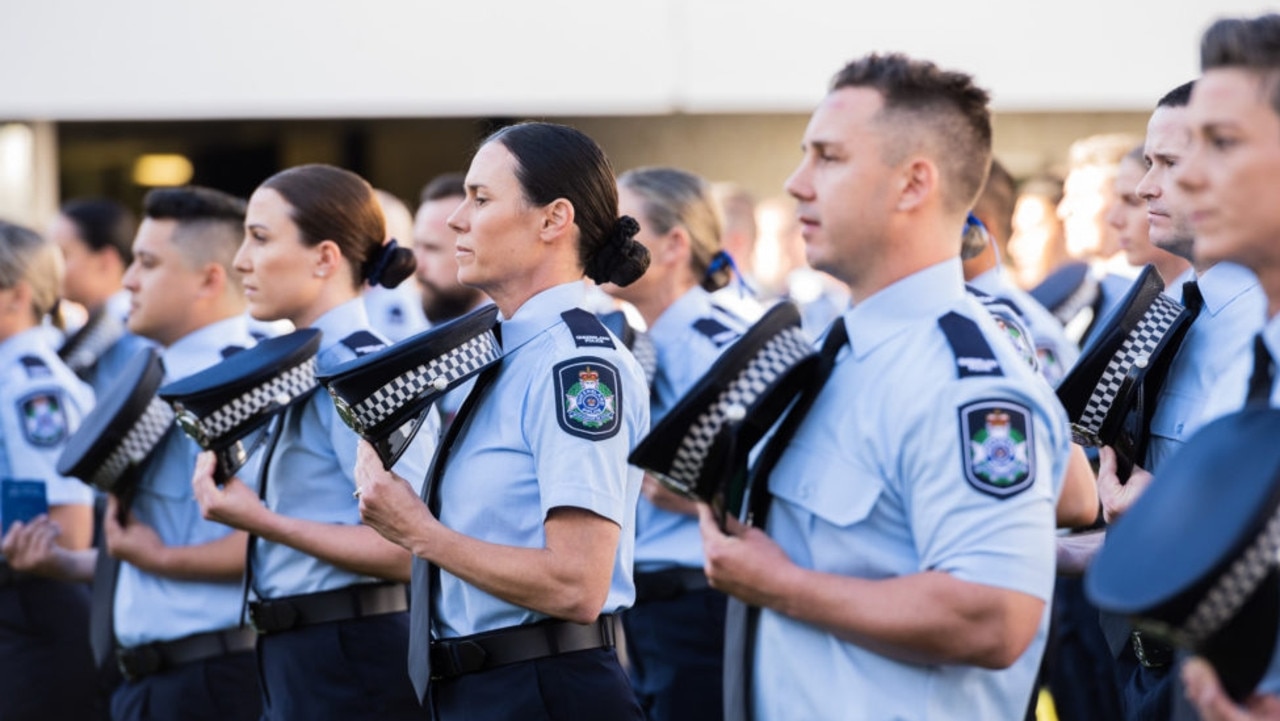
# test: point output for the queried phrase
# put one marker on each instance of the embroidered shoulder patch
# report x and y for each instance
(999, 457)
(44, 420)
(589, 398)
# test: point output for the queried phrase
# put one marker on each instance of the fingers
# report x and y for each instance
(1205, 691)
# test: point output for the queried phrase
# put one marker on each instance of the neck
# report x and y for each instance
(906, 252)
(1269, 279)
(1170, 268)
(512, 293)
(325, 303)
(980, 263)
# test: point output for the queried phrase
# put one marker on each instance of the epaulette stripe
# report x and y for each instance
(362, 342)
(587, 329)
(973, 354)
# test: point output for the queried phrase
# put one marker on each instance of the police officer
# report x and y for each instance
(46, 668)
(331, 606)
(179, 591)
(909, 550)
(675, 631)
(515, 582)
(94, 236)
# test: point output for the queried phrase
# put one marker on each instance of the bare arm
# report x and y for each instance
(140, 545)
(567, 578)
(1076, 551)
(356, 548)
(926, 618)
(33, 548)
(1078, 504)
(76, 524)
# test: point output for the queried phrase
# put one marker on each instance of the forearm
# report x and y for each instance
(220, 560)
(924, 618)
(356, 548)
(1078, 505)
(76, 524)
(1076, 552)
(69, 565)
(568, 578)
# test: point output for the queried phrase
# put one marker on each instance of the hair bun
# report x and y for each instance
(620, 259)
(389, 265)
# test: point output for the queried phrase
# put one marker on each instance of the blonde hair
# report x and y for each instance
(26, 257)
(678, 198)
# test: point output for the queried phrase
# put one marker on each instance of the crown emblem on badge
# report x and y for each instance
(998, 419)
(588, 377)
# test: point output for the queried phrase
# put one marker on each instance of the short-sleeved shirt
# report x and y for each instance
(41, 404)
(553, 430)
(689, 336)
(1234, 308)
(311, 470)
(932, 447)
(176, 607)
(1055, 353)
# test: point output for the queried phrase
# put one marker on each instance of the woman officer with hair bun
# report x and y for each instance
(523, 550)
(331, 602)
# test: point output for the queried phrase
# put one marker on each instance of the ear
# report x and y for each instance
(20, 300)
(556, 220)
(675, 247)
(328, 256)
(213, 280)
(917, 183)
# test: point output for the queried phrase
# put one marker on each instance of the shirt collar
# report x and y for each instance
(341, 322)
(924, 294)
(540, 313)
(694, 304)
(1223, 283)
(201, 348)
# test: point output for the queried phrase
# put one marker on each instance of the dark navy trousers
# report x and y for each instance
(676, 650)
(224, 688)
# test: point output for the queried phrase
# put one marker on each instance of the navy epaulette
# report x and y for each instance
(362, 342)
(719, 333)
(230, 351)
(35, 367)
(587, 329)
(974, 356)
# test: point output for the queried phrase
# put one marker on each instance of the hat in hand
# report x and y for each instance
(699, 449)
(121, 431)
(1194, 562)
(385, 396)
(222, 405)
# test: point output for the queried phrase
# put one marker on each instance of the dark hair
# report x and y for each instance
(1249, 43)
(1000, 197)
(329, 203)
(1179, 97)
(447, 185)
(945, 104)
(673, 197)
(210, 223)
(556, 161)
(102, 223)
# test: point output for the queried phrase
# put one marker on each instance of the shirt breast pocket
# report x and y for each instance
(1174, 416)
(833, 500)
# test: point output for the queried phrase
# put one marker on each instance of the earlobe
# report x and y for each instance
(557, 218)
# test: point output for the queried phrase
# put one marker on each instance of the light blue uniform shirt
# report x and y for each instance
(110, 364)
(882, 480)
(41, 404)
(149, 607)
(311, 473)
(1054, 351)
(397, 312)
(1234, 308)
(517, 461)
(665, 539)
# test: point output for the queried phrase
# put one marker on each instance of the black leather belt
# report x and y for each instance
(151, 658)
(1150, 652)
(669, 583)
(469, 654)
(283, 614)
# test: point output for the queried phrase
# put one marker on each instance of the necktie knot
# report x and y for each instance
(1191, 297)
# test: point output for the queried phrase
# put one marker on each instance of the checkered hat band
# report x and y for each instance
(646, 355)
(278, 391)
(1140, 343)
(779, 354)
(94, 342)
(452, 366)
(1235, 587)
(137, 443)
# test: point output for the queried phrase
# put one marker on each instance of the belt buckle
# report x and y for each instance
(1150, 652)
(134, 663)
(272, 616)
(457, 658)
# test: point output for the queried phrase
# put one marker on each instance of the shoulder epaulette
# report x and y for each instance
(718, 333)
(35, 367)
(973, 354)
(230, 350)
(587, 329)
(362, 342)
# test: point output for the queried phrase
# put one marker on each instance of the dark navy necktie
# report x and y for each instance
(1260, 381)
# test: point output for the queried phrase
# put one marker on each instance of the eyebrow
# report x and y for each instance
(473, 187)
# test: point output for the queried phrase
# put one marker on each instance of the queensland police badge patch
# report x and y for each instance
(590, 398)
(44, 421)
(998, 454)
